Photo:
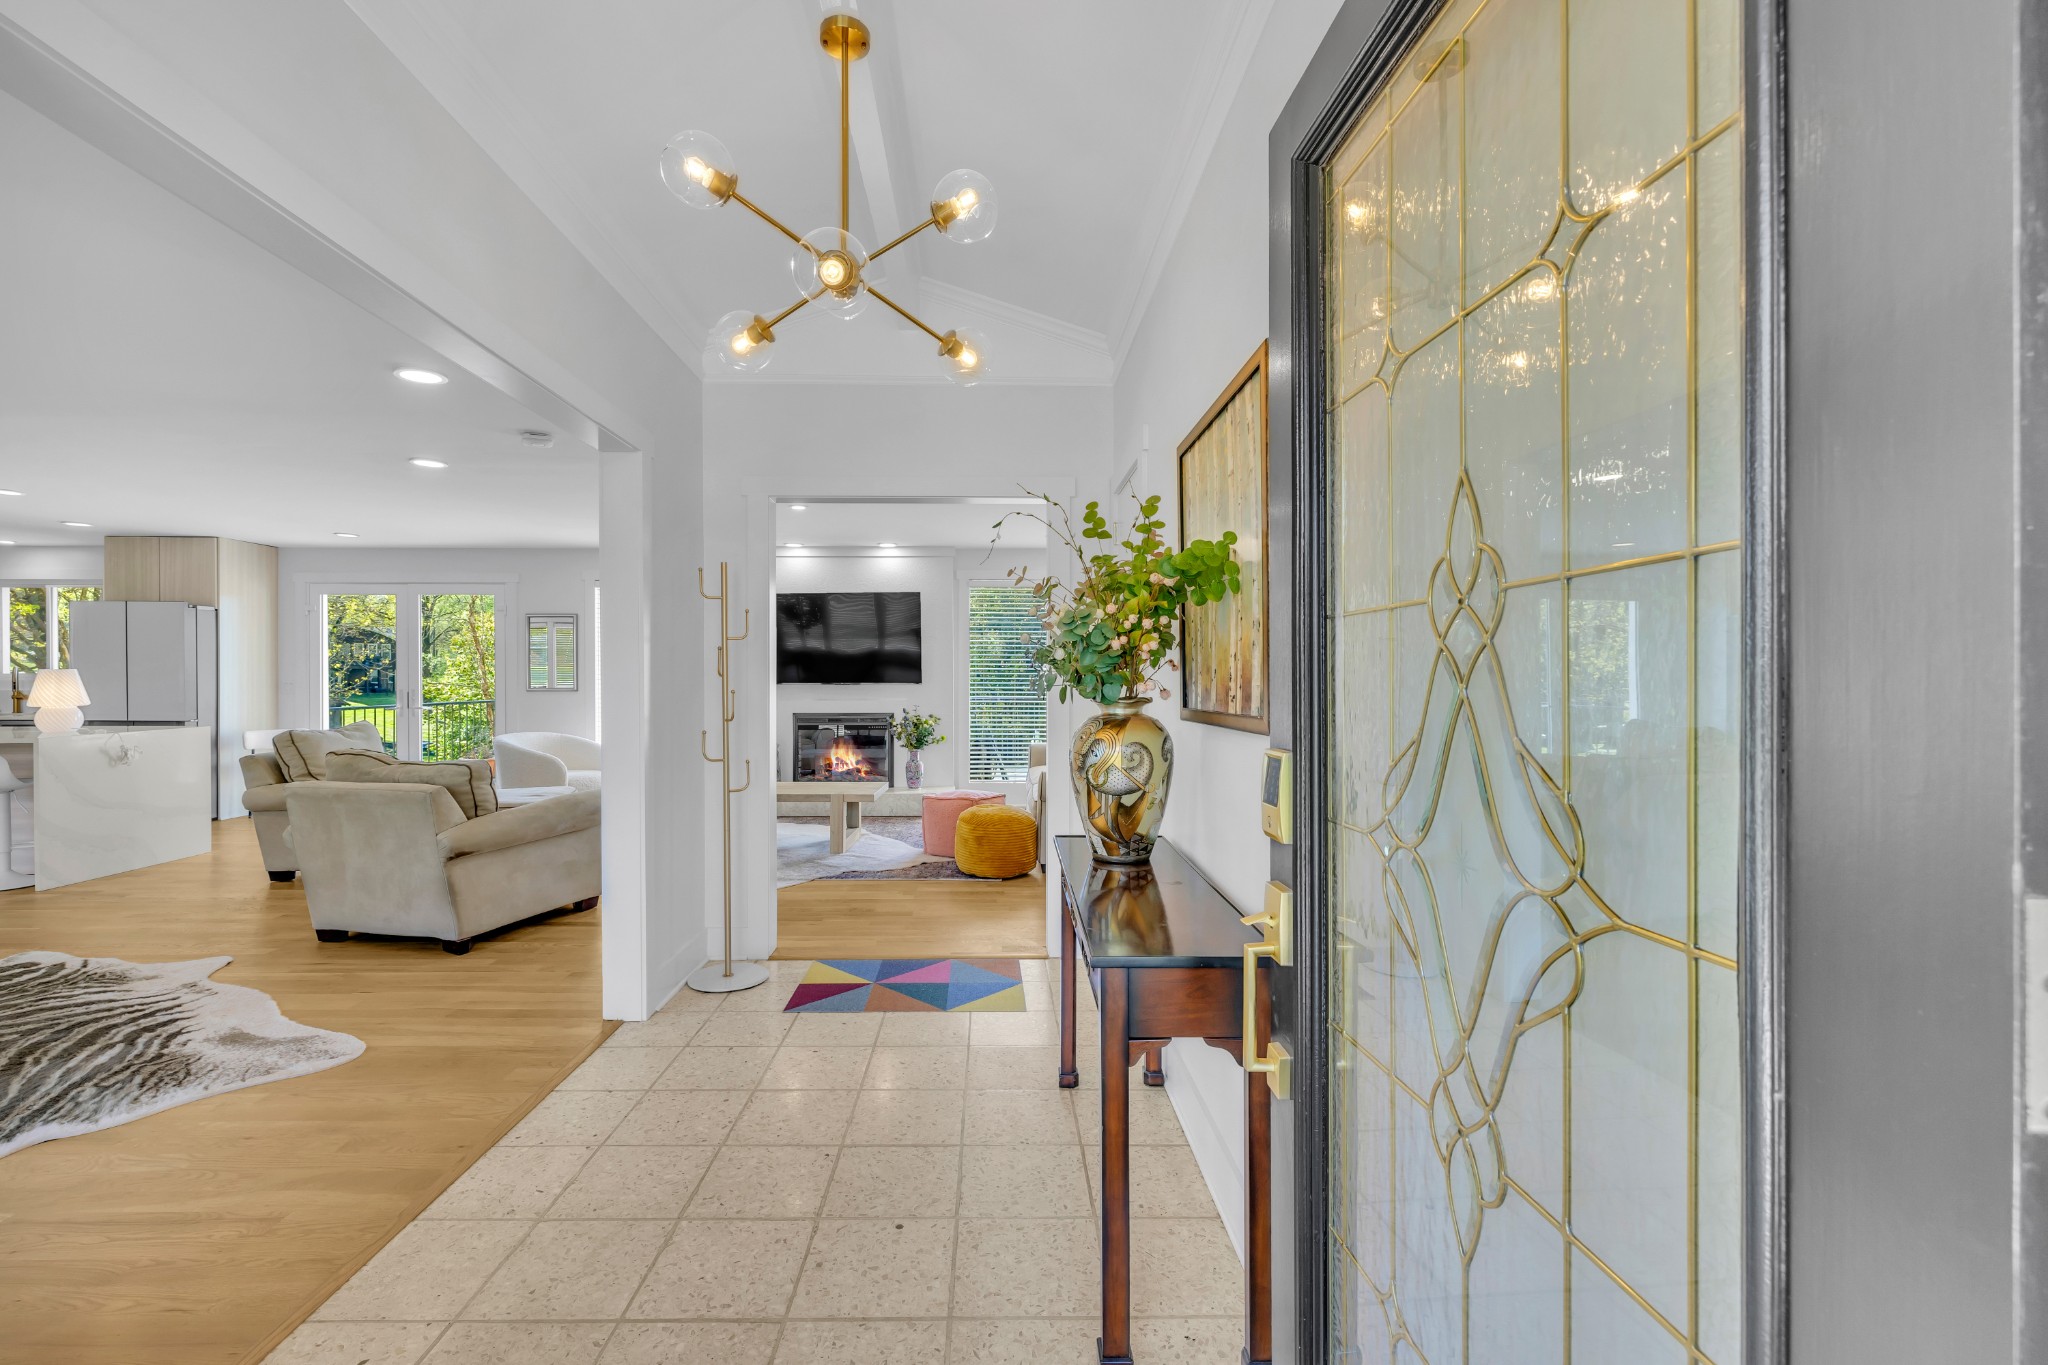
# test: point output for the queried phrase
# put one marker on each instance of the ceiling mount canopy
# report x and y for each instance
(829, 265)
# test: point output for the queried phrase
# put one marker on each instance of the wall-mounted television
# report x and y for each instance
(849, 637)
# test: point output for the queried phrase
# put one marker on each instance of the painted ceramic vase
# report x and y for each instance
(1123, 763)
(913, 770)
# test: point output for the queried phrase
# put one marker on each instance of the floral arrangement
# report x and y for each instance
(1109, 633)
(917, 729)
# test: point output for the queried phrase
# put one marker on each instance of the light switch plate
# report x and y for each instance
(2036, 1014)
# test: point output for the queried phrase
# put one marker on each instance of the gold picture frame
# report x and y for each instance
(1225, 677)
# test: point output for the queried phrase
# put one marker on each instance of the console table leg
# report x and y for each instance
(1069, 1075)
(1114, 1346)
(1155, 1066)
(1258, 1222)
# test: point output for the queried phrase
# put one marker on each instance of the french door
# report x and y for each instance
(1529, 609)
(418, 661)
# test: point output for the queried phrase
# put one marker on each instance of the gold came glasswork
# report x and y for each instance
(1534, 322)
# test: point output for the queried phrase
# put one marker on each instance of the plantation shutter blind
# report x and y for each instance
(1006, 709)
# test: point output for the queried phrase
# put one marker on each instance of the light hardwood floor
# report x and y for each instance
(205, 1233)
(911, 919)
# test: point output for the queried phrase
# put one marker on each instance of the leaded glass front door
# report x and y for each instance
(1534, 312)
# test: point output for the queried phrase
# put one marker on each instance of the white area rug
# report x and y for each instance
(803, 853)
(88, 1043)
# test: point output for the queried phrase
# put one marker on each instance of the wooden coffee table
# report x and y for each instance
(844, 801)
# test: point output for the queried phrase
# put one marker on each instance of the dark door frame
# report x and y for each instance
(1366, 41)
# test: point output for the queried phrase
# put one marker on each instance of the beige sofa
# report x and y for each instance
(264, 783)
(399, 858)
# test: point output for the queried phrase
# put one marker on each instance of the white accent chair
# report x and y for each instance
(542, 758)
(17, 831)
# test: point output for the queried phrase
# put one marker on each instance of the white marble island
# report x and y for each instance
(112, 799)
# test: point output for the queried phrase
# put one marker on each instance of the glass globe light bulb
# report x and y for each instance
(833, 270)
(698, 169)
(966, 359)
(739, 341)
(964, 204)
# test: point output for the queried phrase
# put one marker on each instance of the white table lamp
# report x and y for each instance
(57, 695)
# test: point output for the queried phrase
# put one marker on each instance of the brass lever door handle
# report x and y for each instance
(1276, 924)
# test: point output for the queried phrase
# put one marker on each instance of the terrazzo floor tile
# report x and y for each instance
(357, 1343)
(765, 1182)
(1188, 1341)
(876, 1268)
(679, 1118)
(1027, 1268)
(663, 1030)
(1153, 1122)
(1025, 1029)
(792, 1118)
(716, 1068)
(520, 1343)
(691, 1343)
(1166, 1182)
(907, 1118)
(925, 1030)
(894, 1182)
(634, 1182)
(621, 1068)
(572, 1118)
(739, 1028)
(429, 1270)
(1182, 1267)
(511, 1182)
(1023, 1182)
(992, 1067)
(571, 1270)
(714, 1268)
(917, 1068)
(862, 1343)
(836, 1030)
(816, 1068)
(1014, 1118)
(1068, 1341)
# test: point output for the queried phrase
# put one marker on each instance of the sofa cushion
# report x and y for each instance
(303, 753)
(468, 780)
(528, 824)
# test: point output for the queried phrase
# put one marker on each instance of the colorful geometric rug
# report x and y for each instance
(860, 985)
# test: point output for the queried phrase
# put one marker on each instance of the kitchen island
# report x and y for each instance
(114, 798)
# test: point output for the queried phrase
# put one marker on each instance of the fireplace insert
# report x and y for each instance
(838, 748)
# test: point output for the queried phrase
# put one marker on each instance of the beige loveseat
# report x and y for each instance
(400, 858)
(265, 778)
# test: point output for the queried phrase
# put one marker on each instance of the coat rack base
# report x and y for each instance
(710, 979)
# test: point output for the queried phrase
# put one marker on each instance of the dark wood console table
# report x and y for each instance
(1164, 953)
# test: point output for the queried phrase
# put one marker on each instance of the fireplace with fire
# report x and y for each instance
(834, 748)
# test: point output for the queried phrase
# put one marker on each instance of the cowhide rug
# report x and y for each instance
(91, 1042)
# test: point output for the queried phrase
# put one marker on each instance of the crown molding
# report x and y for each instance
(1212, 89)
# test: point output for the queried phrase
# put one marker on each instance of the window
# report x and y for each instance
(1005, 706)
(30, 645)
(551, 653)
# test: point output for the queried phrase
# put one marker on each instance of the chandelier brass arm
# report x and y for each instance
(830, 266)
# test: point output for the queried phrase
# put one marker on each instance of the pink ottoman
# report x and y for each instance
(942, 812)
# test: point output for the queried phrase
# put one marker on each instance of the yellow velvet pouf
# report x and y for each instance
(995, 841)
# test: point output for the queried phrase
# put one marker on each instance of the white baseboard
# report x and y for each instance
(1207, 1091)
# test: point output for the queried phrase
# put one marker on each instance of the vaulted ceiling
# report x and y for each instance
(1092, 119)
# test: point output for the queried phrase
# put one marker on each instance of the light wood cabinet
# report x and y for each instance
(134, 569)
(188, 569)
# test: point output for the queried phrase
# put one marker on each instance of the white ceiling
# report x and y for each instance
(161, 374)
(937, 525)
(1092, 119)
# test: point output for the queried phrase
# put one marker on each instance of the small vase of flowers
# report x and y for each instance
(916, 731)
(1108, 637)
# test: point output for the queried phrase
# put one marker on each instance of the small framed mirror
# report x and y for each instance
(551, 653)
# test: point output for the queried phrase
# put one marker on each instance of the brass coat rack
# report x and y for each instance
(740, 976)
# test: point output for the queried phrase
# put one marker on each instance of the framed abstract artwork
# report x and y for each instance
(1223, 488)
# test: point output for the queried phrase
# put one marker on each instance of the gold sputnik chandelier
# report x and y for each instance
(829, 265)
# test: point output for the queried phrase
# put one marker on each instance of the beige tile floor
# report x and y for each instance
(726, 1184)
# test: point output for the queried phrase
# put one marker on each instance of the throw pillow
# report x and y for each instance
(303, 753)
(468, 780)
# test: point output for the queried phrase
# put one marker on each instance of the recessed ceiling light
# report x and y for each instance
(8, 493)
(792, 545)
(6, 542)
(539, 440)
(424, 463)
(798, 507)
(885, 544)
(345, 535)
(412, 375)
(81, 525)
